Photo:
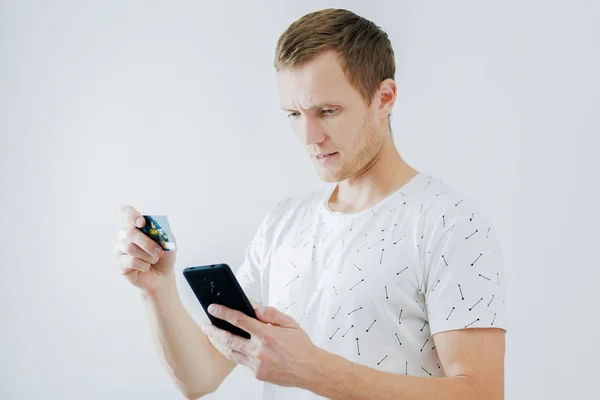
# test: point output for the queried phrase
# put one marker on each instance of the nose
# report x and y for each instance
(311, 131)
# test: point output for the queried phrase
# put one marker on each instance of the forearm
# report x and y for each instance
(335, 377)
(185, 350)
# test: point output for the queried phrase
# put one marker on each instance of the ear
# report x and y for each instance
(387, 96)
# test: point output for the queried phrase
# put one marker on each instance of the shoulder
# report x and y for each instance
(441, 203)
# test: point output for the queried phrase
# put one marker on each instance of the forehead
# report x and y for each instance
(320, 80)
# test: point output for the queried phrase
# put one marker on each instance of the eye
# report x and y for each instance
(293, 115)
(329, 111)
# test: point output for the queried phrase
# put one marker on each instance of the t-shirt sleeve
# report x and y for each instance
(464, 284)
(250, 273)
(253, 272)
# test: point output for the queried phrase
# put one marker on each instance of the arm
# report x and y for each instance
(473, 360)
(194, 364)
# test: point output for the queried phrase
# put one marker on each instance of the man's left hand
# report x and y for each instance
(279, 351)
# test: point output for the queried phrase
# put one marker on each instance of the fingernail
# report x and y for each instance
(212, 308)
(139, 222)
(157, 252)
(204, 329)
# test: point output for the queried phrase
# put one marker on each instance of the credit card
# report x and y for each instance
(158, 229)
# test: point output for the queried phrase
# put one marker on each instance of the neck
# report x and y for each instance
(385, 174)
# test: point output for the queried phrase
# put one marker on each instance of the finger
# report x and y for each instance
(129, 263)
(132, 216)
(218, 343)
(238, 319)
(240, 358)
(228, 339)
(275, 317)
(132, 249)
(134, 235)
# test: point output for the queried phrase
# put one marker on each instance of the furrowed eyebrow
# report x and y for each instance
(315, 107)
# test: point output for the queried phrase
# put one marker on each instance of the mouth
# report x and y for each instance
(325, 157)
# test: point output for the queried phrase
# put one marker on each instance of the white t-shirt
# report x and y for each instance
(374, 286)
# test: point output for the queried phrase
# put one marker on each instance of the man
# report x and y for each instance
(387, 284)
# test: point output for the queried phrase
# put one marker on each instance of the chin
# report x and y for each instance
(330, 176)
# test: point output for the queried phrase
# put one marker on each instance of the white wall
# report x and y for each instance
(172, 107)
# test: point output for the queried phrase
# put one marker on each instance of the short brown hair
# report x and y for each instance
(365, 51)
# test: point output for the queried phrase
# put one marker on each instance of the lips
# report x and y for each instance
(324, 155)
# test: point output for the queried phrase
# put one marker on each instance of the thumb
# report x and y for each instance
(274, 316)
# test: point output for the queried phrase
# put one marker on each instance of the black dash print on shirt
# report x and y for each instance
(297, 244)
(383, 230)
(498, 276)
(351, 326)
(382, 360)
(451, 311)
(351, 223)
(491, 300)
(461, 293)
(322, 240)
(331, 337)
(466, 326)
(493, 319)
(369, 231)
(304, 230)
(297, 276)
(406, 369)
(444, 220)
(399, 342)
(445, 262)
(357, 267)
(338, 310)
(400, 317)
(335, 291)
(458, 203)
(437, 194)
(421, 209)
(473, 263)
(398, 273)
(289, 305)
(359, 308)
(341, 269)
(485, 277)
(381, 257)
(420, 305)
(423, 327)
(376, 243)
(362, 247)
(434, 286)
(426, 371)
(475, 304)
(357, 284)
(357, 347)
(295, 266)
(329, 263)
(386, 293)
(428, 183)
(487, 233)
(400, 239)
(476, 230)
(373, 211)
(427, 340)
(370, 325)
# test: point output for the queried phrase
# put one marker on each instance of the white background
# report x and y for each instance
(172, 107)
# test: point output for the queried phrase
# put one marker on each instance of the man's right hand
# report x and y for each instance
(143, 262)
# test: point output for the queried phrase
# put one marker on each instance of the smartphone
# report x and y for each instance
(216, 283)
